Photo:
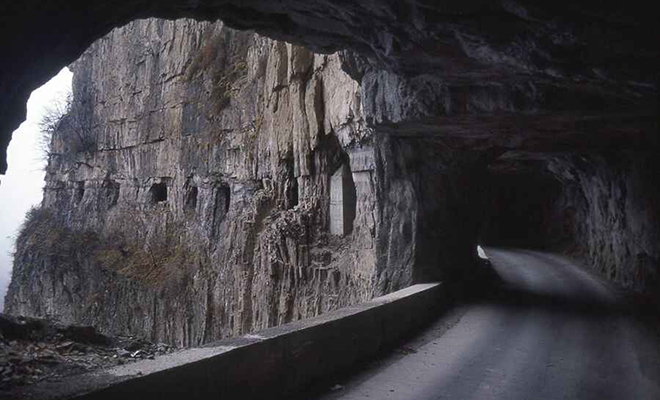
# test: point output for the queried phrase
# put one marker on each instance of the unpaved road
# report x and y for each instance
(550, 331)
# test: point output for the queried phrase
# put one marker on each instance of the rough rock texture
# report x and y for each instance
(571, 67)
(199, 207)
(601, 208)
(611, 207)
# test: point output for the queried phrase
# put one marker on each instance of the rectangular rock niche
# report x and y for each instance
(342, 201)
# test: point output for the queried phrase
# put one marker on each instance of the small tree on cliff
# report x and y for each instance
(67, 120)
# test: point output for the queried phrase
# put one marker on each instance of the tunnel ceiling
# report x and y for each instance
(517, 75)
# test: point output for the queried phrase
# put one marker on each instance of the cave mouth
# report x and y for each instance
(223, 199)
(597, 206)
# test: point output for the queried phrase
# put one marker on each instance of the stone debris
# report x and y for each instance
(35, 350)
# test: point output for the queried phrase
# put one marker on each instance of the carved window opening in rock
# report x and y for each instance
(343, 201)
(80, 192)
(158, 192)
(221, 206)
(291, 193)
(225, 194)
(191, 198)
(111, 192)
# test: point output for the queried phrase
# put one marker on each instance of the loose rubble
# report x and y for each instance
(35, 350)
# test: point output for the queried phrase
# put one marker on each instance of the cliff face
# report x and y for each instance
(207, 182)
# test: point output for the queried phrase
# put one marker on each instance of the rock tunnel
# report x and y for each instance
(509, 123)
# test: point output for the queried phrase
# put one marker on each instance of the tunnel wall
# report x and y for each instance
(431, 209)
(600, 208)
(613, 205)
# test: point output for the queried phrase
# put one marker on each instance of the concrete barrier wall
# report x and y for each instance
(272, 363)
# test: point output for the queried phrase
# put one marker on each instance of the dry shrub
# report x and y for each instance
(68, 120)
(162, 261)
(224, 60)
(208, 53)
(44, 234)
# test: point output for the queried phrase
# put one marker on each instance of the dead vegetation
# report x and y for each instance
(46, 235)
(155, 259)
(67, 122)
(223, 58)
(159, 260)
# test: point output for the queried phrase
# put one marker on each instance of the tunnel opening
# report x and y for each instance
(291, 194)
(599, 207)
(481, 253)
(444, 200)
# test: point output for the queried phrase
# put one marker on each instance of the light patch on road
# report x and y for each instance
(481, 253)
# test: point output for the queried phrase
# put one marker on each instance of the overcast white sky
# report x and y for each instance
(21, 187)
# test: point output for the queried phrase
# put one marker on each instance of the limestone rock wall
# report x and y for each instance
(192, 200)
(611, 209)
(601, 208)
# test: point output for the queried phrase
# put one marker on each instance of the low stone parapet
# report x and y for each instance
(273, 363)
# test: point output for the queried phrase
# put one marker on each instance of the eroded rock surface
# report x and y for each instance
(600, 208)
(609, 204)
